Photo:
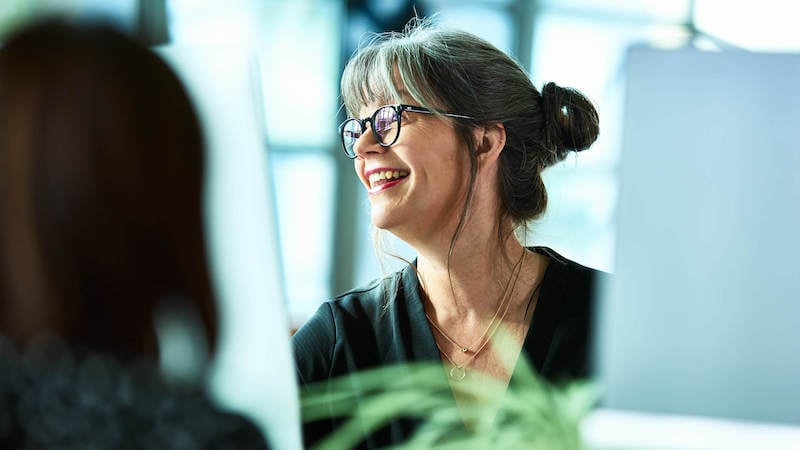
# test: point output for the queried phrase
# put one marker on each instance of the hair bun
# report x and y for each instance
(571, 121)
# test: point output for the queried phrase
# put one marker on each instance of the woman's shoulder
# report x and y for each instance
(59, 396)
(357, 309)
(563, 261)
(571, 285)
(350, 329)
(563, 268)
(563, 317)
(371, 298)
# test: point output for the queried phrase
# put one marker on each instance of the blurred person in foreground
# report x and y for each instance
(107, 317)
(449, 138)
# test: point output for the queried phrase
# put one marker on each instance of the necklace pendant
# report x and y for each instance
(464, 349)
(458, 373)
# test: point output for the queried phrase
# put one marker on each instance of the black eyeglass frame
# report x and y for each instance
(399, 109)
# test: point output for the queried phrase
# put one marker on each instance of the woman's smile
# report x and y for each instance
(384, 178)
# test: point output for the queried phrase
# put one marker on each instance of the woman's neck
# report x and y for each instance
(471, 278)
(467, 277)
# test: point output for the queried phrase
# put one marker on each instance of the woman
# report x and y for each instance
(449, 138)
(103, 253)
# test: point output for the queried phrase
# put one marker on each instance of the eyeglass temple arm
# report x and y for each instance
(418, 109)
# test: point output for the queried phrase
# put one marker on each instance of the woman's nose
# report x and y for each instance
(368, 145)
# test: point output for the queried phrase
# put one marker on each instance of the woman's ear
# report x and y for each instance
(490, 140)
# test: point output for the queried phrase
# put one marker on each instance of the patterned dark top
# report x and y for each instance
(54, 398)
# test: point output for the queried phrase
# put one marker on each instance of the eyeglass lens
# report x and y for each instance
(383, 123)
(384, 127)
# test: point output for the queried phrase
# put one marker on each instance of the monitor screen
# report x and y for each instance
(702, 316)
(254, 370)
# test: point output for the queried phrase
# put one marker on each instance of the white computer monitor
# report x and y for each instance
(702, 316)
(254, 370)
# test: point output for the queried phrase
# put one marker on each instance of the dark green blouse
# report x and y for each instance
(384, 323)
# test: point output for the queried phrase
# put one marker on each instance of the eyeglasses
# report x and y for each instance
(385, 123)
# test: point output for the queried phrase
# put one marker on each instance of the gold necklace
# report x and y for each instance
(503, 296)
(459, 371)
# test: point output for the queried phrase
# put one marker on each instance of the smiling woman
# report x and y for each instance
(458, 137)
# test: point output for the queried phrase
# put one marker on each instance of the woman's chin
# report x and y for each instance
(382, 222)
(385, 218)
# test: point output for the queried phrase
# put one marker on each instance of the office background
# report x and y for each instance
(322, 212)
(325, 241)
(322, 231)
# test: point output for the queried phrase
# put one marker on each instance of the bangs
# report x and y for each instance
(388, 70)
(366, 79)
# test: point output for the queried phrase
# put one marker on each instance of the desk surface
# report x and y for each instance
(606, 429)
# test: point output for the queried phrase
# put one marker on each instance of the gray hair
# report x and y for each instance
(458, 72)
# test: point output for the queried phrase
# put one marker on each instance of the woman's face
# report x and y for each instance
(418, 185)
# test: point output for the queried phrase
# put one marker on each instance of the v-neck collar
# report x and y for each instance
(537, 337)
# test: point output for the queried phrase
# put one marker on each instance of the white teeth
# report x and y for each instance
(386, 175)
